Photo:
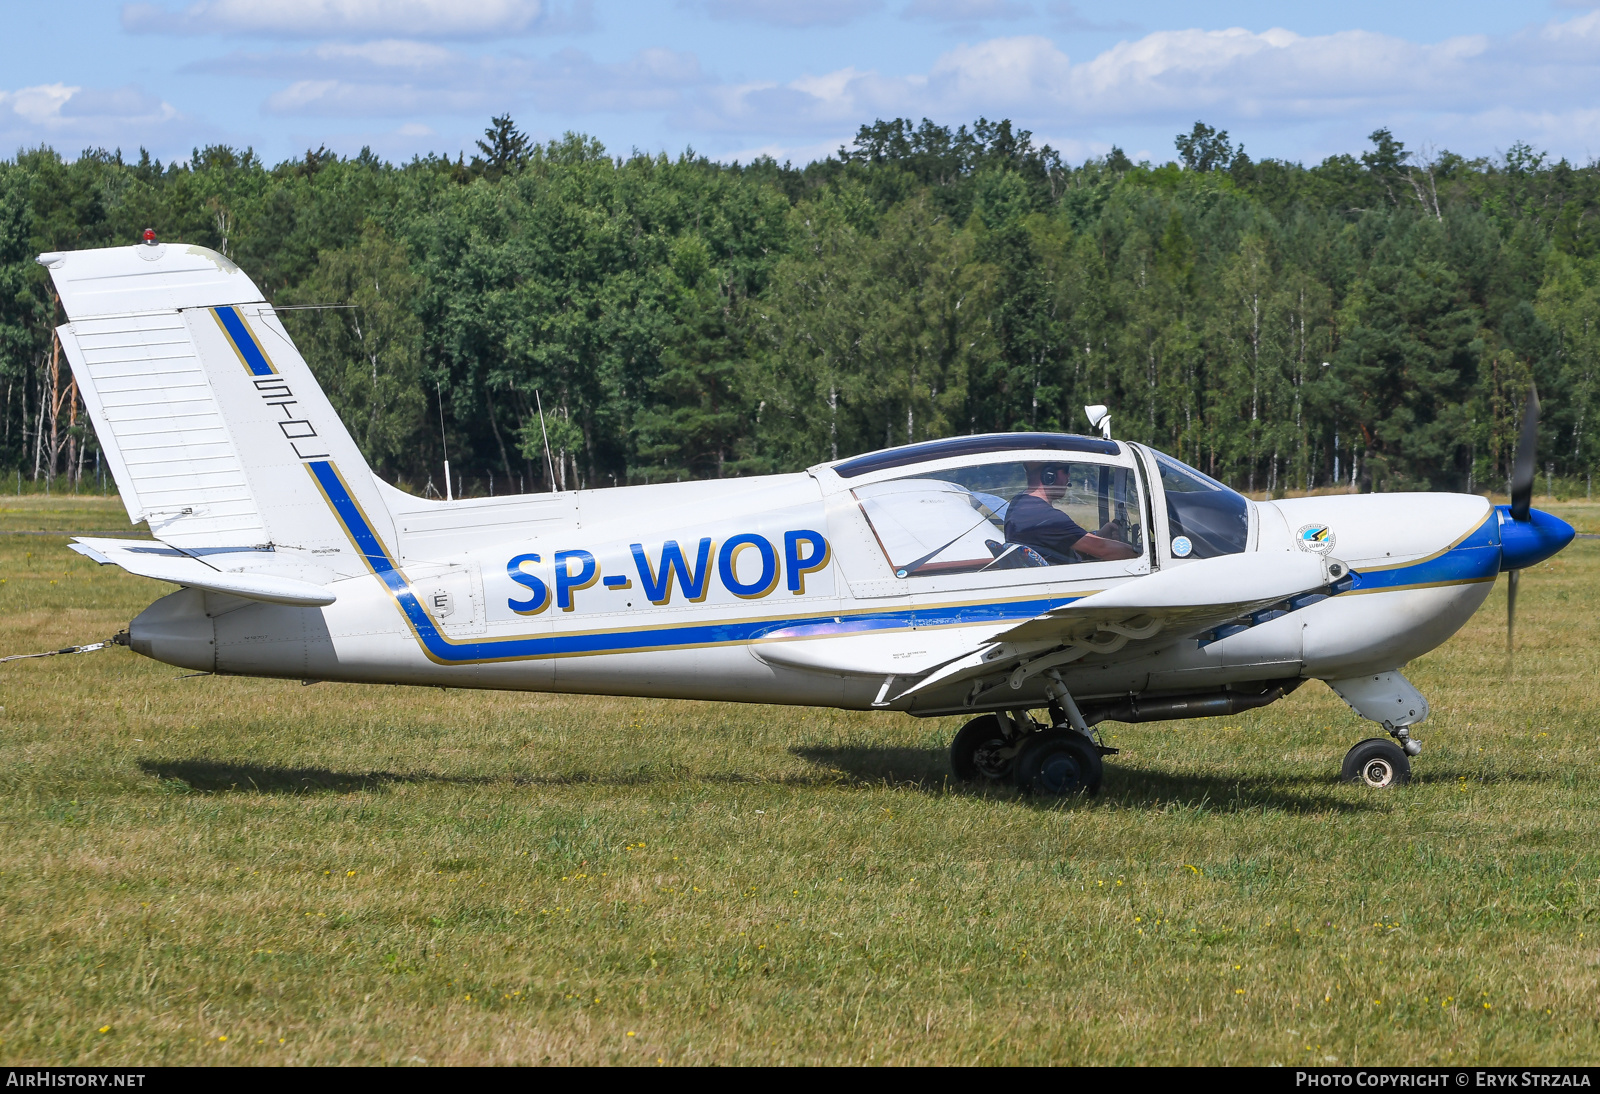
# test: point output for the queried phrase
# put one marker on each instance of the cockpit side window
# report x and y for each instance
(1214, 519)
(1005, 515)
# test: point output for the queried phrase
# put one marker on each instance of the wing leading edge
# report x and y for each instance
(1128, 621)
(1136, 617)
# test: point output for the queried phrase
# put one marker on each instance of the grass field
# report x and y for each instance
(214, 870)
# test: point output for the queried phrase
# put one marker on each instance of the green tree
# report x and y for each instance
(696, 419)
(355, 320)
(871, 335)
(1204, 148)
(683, 318)
(1407, 365)
(505, 149)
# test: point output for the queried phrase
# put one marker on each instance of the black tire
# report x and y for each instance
(1059, 763)
(980, 751)
(1376, 763)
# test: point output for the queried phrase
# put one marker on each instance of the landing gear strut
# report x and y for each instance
(1388, 699)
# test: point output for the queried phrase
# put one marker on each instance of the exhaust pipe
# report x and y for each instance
(1204, 704)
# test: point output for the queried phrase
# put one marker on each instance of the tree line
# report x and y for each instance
(1371, 322)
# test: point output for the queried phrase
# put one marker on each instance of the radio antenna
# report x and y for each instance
(449, 494)
(548, 462)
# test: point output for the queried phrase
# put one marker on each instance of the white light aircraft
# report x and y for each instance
(948, 577)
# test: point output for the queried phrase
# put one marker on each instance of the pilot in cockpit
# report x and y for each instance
(1033, 520)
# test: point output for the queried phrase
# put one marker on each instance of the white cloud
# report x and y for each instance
(396, 143)
(40, 105)
(1297, 94)
(1275, 72)
(1003, 71)
(66, 108)
(790, 13)
(341, 18)
(1273, 76)
(77, 116)
(1541, 79)
(399, 78)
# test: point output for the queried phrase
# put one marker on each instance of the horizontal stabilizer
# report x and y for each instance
(156, 560)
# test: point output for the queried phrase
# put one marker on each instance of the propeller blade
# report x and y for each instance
(1524, 467)
(1512, 578)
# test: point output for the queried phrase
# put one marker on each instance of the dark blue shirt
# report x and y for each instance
(1036, 523)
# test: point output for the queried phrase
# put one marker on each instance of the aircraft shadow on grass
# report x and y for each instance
(220, 776)
(925, 770)
(227, 776)
(928, 770)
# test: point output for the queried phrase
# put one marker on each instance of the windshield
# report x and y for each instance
(1213, 519)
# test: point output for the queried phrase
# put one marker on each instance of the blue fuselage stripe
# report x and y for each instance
(451, 651)
(254, 359)
(1475, 558)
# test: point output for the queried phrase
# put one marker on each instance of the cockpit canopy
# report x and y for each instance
(951, 447)
(1012, 500)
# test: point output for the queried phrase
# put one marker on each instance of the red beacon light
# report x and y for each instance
(149, 237)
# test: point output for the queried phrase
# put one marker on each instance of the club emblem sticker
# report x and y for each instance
(1181, 547)
(1316, 538)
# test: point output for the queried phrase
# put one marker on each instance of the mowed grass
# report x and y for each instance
(215, 870)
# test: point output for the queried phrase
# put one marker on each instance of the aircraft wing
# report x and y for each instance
(220, 571)
(1139, 616)
(1198, 595)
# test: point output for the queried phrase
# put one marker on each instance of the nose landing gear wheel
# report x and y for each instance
(981, 751)
(1058, 763)
(1376, 763)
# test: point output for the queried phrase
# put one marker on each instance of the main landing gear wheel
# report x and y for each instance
(1377, 763)
(981, 751)
(1058, 763)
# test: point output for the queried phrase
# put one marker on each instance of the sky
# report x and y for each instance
(794, 79)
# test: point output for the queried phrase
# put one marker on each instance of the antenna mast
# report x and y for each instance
(548, 462)
(449, 494)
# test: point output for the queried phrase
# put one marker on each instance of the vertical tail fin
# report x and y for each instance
(211, 421)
